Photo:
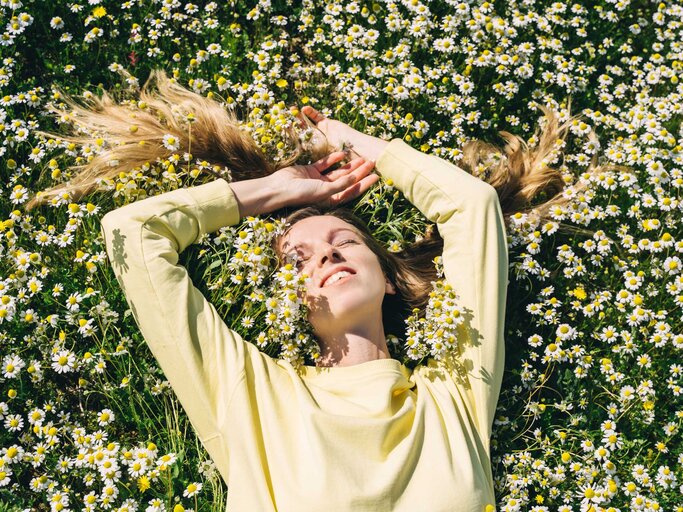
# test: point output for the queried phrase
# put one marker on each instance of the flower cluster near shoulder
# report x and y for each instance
(433, 333)
(273, 314)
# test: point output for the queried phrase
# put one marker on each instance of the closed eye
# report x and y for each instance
(300, 261)
(296, 259)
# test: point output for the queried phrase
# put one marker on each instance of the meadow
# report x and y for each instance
(591, 409)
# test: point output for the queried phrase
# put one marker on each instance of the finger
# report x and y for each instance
(367, 183)
(304, 122)
(357, 189)
(361, 171)
(340, 184)
(328, 161)
(312, 114)
(346, 169)
(353, 184)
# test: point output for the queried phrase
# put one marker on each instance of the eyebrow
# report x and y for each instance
(332, 233)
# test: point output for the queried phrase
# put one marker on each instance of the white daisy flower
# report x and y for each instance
(171, 142)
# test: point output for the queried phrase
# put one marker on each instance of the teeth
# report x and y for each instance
(336, 277)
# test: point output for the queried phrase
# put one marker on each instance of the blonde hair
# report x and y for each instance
(135, 131)
(134, 135)
(520, 174)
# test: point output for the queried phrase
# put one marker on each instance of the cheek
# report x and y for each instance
(309, 292)
(306, 294)
(375, 268)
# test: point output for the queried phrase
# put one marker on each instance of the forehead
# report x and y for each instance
(318, 227)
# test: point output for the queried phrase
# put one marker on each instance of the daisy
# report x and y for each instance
(63, 361)
(12, 365)
(171, 142)
(192, 489)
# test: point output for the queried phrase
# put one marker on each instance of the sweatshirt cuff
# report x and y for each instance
(216, 205)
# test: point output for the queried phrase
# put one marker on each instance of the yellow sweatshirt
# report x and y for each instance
(371, 437)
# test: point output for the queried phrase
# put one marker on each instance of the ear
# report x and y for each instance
(388, 287)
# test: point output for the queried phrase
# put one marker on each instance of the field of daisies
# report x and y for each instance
(592, 404)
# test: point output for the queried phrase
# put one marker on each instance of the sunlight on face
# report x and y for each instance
(346, 284)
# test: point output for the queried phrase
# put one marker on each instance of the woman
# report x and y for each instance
(360, 431)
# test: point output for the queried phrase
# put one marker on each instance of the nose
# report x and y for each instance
(328, 252)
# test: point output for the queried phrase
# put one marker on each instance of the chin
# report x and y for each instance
(339, 312)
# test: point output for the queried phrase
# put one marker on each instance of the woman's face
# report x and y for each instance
(346, 282)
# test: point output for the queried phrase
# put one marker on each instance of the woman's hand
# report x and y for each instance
(341, 135)
(300, 185)
(314, 184)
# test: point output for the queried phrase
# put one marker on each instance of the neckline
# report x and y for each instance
(360, 369)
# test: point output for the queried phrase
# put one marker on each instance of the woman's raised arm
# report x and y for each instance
(469, 219)
(201, 357)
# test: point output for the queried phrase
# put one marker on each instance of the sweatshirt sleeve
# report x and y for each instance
(469, 219)
(201, 357)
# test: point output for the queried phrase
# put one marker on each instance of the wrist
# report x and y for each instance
(367, 146)
(257, 196)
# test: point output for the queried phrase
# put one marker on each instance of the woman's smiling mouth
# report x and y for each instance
(335, 277)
